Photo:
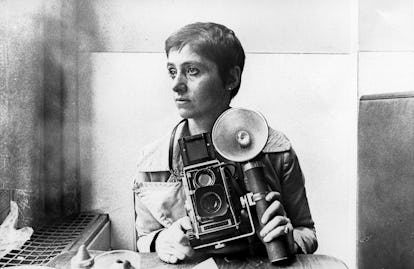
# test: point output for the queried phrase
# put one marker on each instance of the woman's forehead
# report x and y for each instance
(187, 55)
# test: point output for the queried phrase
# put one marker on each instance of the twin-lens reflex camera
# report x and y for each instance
(218, 210)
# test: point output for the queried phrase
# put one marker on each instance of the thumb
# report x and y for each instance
(185, 223)
(290, 239)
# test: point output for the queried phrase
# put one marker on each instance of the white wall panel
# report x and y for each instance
(386, 72)
(386, 25)
(263, 26)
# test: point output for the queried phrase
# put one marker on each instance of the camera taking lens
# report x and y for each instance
(210, 202)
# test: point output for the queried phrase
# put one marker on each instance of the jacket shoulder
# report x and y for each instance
(276, 142)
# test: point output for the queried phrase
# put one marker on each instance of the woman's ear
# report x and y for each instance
(233, 80)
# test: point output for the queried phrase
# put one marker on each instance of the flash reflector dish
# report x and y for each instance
(240, 134)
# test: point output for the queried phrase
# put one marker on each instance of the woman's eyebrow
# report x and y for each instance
(187, 63)
(193, 62)
(198, 64)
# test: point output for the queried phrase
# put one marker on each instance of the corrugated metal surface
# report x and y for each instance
(53, 239)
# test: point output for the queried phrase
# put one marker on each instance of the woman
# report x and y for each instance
(205, 63)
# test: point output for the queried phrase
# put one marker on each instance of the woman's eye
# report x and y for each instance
(192, 71)
(172, 72)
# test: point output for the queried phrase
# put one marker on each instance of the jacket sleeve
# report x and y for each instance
(145, 224)
(296, 204)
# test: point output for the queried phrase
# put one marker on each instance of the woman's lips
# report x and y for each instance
(182, 100)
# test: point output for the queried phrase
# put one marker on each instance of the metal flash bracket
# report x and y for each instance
(250, 199)
(247, 200)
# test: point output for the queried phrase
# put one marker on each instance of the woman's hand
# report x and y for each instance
(172, 244)
(276, 222)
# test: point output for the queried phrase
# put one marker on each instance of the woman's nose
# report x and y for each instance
(180, 83)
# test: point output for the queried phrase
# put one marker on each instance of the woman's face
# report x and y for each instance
(198, 89)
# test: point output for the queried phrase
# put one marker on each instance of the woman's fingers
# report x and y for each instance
(165, 253)
(173, 259)
(272, 195)
(290, 239)
(172, 243)
(274, 228)
(168, 258)
(181, 252)
(274, 209)
(172, 253)
(180, 245)
(275, 233)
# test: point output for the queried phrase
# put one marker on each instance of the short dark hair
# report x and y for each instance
(214, 41)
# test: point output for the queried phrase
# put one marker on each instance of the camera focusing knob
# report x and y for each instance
(190, 234)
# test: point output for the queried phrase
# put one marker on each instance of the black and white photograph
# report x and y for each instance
(206, 134)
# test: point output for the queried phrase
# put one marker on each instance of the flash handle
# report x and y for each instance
(277, 249)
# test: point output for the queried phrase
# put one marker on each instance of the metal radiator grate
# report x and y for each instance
(50, 241)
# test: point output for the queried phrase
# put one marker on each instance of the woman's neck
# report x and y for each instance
(198, 127)
(203, 125)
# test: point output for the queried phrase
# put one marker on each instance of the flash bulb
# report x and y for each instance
(243, 138)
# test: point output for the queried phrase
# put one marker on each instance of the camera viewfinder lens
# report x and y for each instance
(205, 178)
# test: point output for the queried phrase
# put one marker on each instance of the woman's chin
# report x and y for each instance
(185, 113)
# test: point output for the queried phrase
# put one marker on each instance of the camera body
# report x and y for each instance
(217, 212)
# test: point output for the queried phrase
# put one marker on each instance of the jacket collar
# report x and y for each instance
(154, 157)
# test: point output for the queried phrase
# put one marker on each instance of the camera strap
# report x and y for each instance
(171, 147)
